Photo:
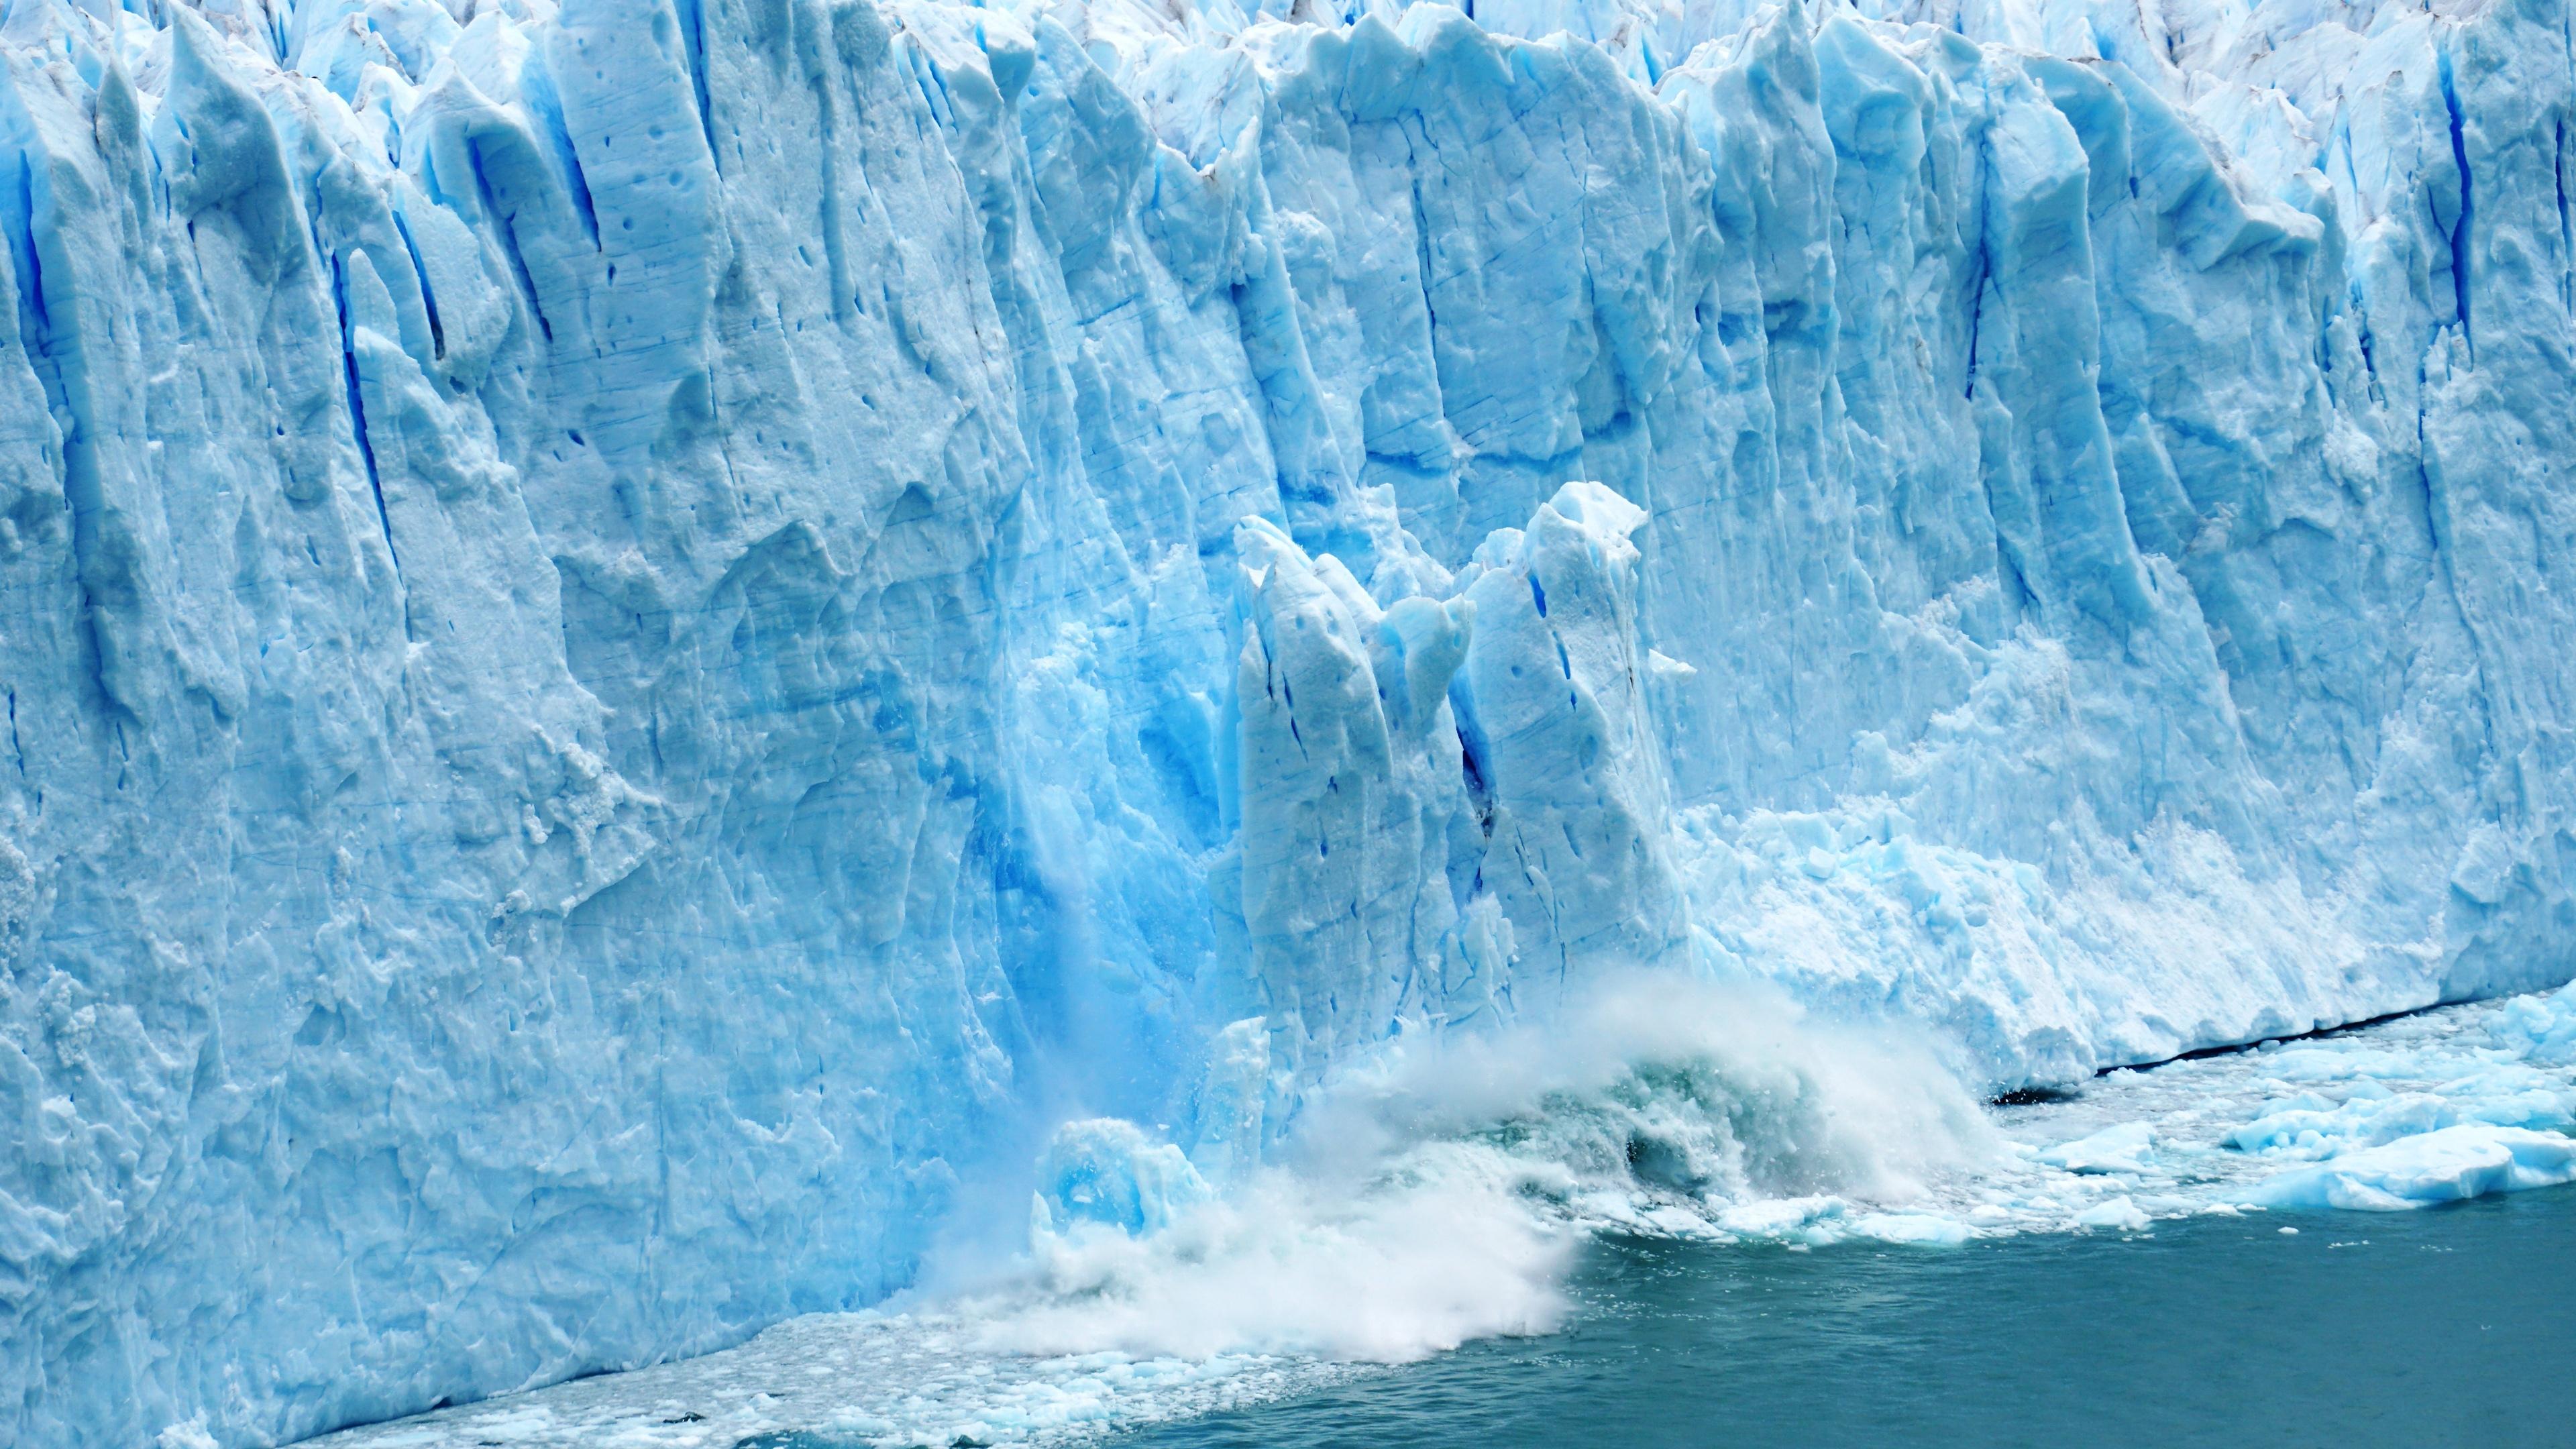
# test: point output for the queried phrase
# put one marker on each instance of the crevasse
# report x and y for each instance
(638, 634)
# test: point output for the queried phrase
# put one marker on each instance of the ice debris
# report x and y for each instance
(1108, 1172)
(2539, 1030)
(2129, 1147)
(1443, 1228)
(2444, 1165)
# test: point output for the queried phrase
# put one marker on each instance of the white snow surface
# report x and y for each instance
(644, 638)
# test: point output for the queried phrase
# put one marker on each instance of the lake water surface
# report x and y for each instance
(2449, 1326)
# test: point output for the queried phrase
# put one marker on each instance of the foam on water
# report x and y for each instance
(1435, 1193)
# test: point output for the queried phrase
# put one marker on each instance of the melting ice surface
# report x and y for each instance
(1437, 1196)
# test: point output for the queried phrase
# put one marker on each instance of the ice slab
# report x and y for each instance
(2445, 1165)
(2128, 1147)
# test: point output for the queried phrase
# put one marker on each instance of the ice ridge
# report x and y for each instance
(639, 635)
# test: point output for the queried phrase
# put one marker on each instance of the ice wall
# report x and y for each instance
(638, 632)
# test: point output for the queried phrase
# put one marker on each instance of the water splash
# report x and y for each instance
(1436, 1192)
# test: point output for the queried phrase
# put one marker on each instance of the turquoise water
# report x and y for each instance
(2455, 1325)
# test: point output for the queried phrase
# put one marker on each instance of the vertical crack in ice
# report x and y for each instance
(2458, 236)
(355, 392)
(428, 295)
(693, 56)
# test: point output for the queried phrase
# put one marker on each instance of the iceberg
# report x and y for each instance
(644, 640)
(2540, 1030)
(2129, 1147)
(2117, 1214)
(2446, 1165)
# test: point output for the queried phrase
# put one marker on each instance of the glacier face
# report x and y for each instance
(637, 631)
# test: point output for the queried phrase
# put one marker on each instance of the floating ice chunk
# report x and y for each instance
(2119, 1214)
(2470, 1160)
(2363, 1122)
(2539, 1029)
(2310, 1126)
(1106, 1170)
(2514, 1095)
(1788, 1219)
(2128, 1147)
(1916, 1229)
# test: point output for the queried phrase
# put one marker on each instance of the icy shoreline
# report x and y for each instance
(2416, 1108)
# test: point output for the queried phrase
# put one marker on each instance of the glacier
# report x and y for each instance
(644, 638)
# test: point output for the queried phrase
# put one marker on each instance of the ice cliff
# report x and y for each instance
(638, 632)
